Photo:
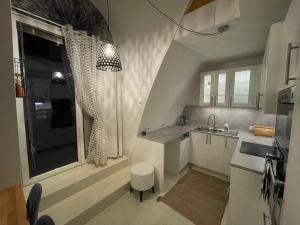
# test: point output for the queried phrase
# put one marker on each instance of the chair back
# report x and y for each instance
(33, 203)
(45, 220)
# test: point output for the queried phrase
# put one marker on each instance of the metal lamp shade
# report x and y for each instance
(108, 58)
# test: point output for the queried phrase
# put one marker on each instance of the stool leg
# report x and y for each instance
(130, 190)
(153, 191)
(141, 196)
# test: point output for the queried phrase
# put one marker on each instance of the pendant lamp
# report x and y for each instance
(108, 58)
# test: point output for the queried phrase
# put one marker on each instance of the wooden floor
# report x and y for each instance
(199, 197)
(13, 207)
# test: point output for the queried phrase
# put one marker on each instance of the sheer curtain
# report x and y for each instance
(89, 85)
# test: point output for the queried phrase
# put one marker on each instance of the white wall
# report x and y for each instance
(177, 84)
(10, 173)
(290, 214)
(144, 37)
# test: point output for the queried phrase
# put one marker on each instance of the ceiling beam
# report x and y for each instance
(196, 4)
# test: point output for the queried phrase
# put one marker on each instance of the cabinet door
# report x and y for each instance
(199, 149)
(221, 95)
(207, 89)
(184, 156)
(229, 145)
(215, 153)
(242, 90)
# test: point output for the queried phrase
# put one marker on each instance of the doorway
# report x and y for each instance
(50, 121)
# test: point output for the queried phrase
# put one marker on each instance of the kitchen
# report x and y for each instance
(198, 123)
(237, 99)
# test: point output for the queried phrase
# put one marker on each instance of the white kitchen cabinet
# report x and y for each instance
(184, 154)
(199, 150)
(212, 152)
(207, 89)
(215, 153)
(272, 69)
(237, 87)
(222, 84)
(243, 87)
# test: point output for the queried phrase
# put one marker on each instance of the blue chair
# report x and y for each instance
(45, 220)
(33, 203)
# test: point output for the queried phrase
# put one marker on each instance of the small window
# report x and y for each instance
(241, 87)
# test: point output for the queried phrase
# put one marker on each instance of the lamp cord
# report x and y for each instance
(173, 21)
(107, 5)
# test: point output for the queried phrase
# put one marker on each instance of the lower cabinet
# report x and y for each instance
(213, 152)
(184, 152)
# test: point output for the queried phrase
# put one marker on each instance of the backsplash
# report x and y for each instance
(237, 118)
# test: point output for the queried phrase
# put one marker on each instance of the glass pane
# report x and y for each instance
(49, 106)
(207, 88)
(221, 87)
(241, 87)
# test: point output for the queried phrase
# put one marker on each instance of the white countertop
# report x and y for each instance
(249, 162)
(166, 134)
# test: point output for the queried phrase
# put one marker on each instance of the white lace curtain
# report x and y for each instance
(82, 52)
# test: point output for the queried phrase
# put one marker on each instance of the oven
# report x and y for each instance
(278, 162)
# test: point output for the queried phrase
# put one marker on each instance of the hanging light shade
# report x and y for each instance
(108, 58)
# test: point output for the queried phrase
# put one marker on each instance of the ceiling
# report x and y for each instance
(246, 37)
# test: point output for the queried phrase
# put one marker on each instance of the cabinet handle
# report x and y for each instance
(288, 62)
(226, 142)
(206, 141)
(215, 101)
(210, 139)
(211, 101)
(258, 101)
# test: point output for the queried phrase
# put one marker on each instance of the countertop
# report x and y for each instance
(249, 162)
(240, 160)
(166, 134)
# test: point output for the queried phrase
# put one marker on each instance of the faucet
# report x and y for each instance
(208, 120)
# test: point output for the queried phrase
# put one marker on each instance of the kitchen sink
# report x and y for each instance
(218, 131)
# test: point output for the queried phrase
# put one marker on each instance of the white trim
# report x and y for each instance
(18, 17)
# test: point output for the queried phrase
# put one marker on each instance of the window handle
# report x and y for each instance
(288, 63)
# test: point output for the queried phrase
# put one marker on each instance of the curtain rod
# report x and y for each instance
(36, 16)
(60, 26)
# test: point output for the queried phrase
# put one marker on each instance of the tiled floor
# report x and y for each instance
(129, 211)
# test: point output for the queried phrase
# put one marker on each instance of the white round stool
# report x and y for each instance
(142, 178)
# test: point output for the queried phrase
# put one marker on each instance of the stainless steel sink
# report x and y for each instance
(218, 131)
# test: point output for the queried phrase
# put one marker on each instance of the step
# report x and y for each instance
(81, 207)
(66, 184)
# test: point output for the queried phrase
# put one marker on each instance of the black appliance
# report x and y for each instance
(284, 115)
